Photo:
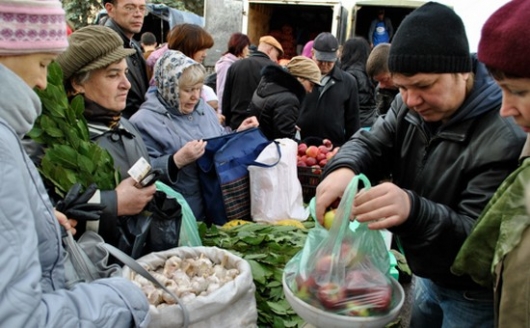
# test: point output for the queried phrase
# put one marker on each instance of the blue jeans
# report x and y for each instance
(436, 306)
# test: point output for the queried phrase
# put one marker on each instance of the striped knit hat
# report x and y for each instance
(32, 26)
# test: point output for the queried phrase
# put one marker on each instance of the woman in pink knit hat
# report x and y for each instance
(33, 291)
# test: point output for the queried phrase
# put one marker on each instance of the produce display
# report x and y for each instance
(311, 159)
(315, 157)
(187, 278)
(267, 248)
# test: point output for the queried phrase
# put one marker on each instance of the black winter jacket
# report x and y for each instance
(276, 102)
(450, 174)
(242, 79)
(331, 111)
(367, 109)
(137, 74)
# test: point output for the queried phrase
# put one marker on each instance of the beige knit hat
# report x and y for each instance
(301, 66)
(92, 47)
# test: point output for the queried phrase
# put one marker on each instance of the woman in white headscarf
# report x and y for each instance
(173, 121)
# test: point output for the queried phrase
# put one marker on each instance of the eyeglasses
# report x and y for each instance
(132, 9)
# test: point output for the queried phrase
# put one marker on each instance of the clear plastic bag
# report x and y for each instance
(189, 231)
(343, 271)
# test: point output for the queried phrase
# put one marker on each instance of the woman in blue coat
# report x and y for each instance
(174, 120)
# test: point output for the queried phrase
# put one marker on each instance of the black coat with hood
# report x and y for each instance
(276, 103)
(450, 171)
(367, 108)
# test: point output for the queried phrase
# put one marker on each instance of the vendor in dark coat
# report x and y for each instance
(332, 111)
(276, 101)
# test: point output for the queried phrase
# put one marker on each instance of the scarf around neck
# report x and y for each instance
(97, 113)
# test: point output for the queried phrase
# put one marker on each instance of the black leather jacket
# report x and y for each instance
(450, 173)
(137, 74)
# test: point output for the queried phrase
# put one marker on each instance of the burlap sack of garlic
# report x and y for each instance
(227, 290)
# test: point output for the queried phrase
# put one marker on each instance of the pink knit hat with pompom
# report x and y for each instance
(32, 26)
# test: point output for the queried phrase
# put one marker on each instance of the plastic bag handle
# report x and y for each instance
(349, 196)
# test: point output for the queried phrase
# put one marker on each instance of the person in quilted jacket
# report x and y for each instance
(33, 291)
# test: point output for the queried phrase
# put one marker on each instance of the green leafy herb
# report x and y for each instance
(267, 248)
(69, 154)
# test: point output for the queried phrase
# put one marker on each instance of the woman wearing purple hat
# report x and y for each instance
(497, 253)
(33, 291)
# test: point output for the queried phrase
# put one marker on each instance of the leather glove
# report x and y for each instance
(75, 206)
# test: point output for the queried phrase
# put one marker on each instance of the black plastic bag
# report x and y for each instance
(165, 225)
(156, 228)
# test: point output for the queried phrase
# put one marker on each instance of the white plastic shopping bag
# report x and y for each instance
(275, 192)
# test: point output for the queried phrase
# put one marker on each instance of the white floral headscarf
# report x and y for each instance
(167, 72)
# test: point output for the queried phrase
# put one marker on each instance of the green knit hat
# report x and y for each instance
(92, 47)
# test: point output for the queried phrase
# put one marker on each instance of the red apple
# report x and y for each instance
(321, 156)
(323, 149)
(302, 149)
(323, 265)
(316, 169)
(301, 163)
(331, 295)
(323, 162)
(310, 161)
(312, 151)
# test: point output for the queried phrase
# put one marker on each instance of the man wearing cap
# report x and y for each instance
(276, 101)
(446, 149)
(127, 18)
(332, 111)
(242, 79)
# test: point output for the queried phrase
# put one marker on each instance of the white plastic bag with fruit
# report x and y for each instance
(275, 192)
(344, 272)
(214, 285)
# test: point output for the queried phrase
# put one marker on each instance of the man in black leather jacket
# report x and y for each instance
(446, 149)
(127, 18)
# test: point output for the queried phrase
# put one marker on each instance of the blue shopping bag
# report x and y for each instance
(224, 177)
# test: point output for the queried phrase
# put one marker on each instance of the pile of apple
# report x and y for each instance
(363, 290)
(316, 157)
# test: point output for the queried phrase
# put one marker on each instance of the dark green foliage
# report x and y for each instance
(267, 248)
(69, 154)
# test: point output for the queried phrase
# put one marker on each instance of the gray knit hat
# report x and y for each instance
(92, 47)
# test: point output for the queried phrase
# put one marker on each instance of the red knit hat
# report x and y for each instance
(505, 40)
